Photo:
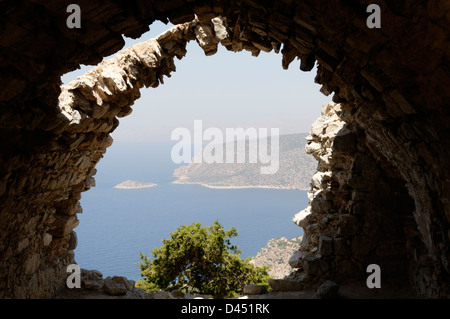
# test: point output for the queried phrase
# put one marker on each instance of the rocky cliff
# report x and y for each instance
(276, 255)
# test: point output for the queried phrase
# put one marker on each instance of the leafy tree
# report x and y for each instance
(199, 259)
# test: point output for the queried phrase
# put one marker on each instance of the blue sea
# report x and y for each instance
(117, 224)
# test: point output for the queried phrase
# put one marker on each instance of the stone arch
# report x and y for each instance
(390, 84)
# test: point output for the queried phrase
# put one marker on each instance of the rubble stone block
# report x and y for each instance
(325, 245)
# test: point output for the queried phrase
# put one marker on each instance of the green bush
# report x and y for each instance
(200, 260)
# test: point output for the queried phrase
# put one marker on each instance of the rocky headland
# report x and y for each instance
(294, 172)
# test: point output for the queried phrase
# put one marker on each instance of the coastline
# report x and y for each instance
(240, 187)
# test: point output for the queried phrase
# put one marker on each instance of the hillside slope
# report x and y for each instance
(295, 169)
(276, 255)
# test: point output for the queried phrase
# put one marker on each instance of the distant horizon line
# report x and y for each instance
(172, 142)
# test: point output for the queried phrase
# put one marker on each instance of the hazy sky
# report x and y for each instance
(227, 89)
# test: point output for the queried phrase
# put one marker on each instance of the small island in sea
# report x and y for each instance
(129, 184)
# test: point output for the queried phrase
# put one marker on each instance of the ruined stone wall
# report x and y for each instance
(87, 112)
(360, 212)
(391, 85)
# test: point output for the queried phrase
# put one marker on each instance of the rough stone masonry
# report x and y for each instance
(381, 191)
